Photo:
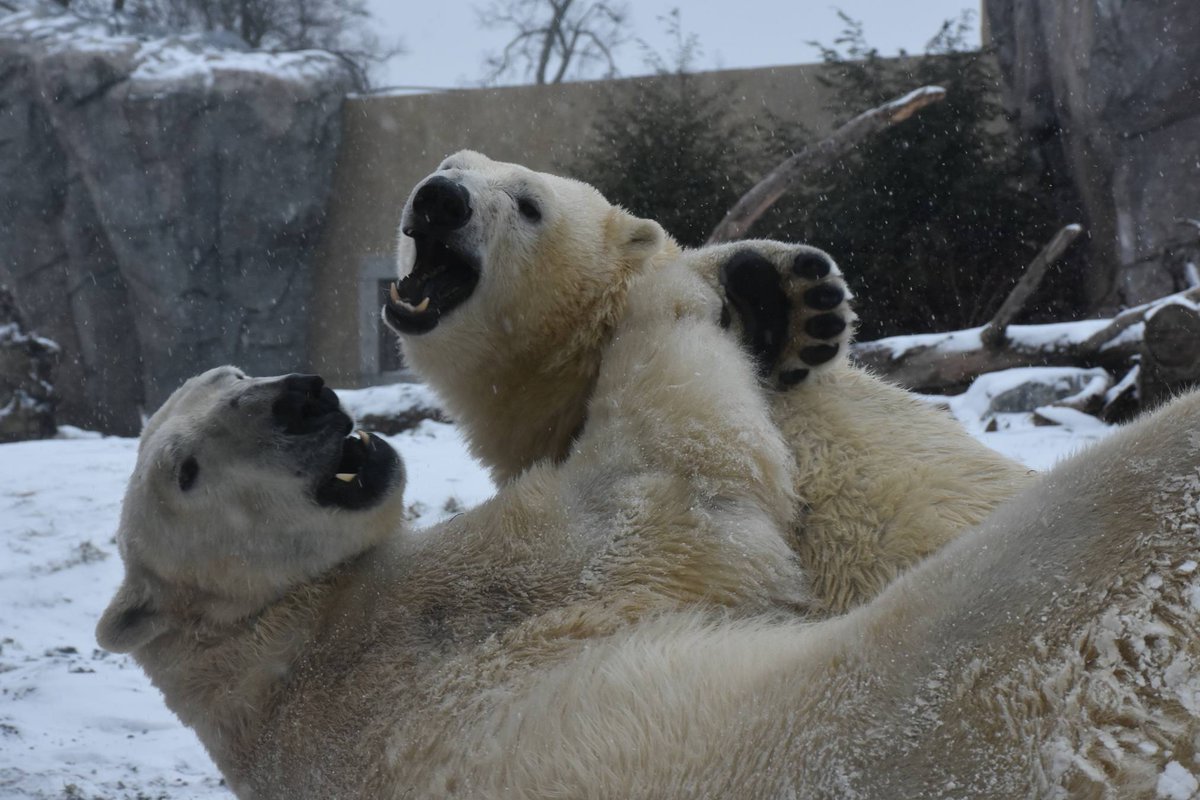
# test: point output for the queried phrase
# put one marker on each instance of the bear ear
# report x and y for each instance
(640, 238)
(130, 621)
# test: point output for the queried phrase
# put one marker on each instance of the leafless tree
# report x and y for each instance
(552, 38)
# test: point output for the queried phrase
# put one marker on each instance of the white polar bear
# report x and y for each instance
(273, 596)
(612, 626)
(512, 282)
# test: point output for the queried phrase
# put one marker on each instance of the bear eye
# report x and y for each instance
(529, 209)
(188, 471)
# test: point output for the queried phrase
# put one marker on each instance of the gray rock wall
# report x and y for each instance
(1109, 92)
(160, 203)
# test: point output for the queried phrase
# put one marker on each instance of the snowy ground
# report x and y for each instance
(76, 722)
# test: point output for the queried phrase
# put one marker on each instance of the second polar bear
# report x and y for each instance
(511, 284)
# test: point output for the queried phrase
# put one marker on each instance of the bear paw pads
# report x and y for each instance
(793, 308)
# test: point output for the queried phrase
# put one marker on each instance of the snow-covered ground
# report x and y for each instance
(76, 722)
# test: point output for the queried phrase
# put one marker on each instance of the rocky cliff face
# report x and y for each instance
(160, 202)
(1109, 90)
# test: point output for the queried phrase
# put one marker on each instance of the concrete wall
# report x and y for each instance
(389, 143)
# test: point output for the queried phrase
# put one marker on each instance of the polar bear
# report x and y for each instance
(511, 283)
(269, 580)
(616, 625)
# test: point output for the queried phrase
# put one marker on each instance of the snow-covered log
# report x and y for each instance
(945, 362)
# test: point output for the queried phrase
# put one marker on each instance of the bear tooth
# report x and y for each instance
(394, 293)
(366, 437)
(422, 306)
(346, 476)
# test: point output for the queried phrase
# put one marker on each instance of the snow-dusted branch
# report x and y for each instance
(994, 332)
(1134, 316)
(788, 173)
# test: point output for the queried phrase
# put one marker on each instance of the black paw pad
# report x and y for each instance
(811, 266)
(818, 354)
(824, 297)
(755, 291)
(825, 326)
(792, 377)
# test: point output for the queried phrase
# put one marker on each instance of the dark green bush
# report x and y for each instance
(933, 220)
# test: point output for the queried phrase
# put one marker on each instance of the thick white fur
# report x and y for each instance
(1053, 652)
(883, 479)
(571, 637)
(355, 659)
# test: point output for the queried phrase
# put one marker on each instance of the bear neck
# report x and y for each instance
(531, 404)
(225, 680)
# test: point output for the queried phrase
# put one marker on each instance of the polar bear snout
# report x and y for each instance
(439, 206)
(306, 405)
(361, 469)
(445, 266)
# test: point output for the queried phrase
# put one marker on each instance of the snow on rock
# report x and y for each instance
(177, 185)
(1020, 433)
(185, 58)
(1068, 418)
(1026, 388)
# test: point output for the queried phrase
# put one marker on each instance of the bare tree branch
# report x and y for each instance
(552, 38)
(994, 332)
(766, 192)
(552, 31)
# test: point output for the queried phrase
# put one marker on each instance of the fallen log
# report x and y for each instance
(948, 362)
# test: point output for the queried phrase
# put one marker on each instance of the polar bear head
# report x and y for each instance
(510, 284)
(485, 235)
(244, 488)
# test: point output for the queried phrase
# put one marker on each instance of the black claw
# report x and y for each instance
(754, 290)
(792, 377)
(824, 297)
(825, 326)
(725, 317)
(811, 266)
(818, 354)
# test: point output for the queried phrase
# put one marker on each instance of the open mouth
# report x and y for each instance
(442, 278)
(364, 472)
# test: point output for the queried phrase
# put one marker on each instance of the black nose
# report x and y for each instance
(441, 206)
(304, 404)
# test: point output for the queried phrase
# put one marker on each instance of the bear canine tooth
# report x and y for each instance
(394, 293)
(424, 304)
(366, 437)
(346, 476)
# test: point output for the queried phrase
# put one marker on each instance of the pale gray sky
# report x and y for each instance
(445, 46)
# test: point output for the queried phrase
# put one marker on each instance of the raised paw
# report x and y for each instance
(792, 308)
